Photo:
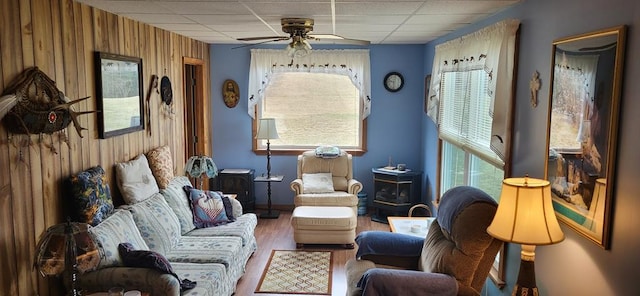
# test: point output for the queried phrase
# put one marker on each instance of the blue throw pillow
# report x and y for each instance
(210, 208)
(91, 196)
(150, 259)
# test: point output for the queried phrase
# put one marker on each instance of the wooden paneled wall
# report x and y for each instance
(60, 37)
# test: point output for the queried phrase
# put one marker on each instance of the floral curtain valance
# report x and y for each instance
(491, 49)
(350, 62)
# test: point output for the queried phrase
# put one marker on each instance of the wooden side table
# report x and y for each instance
(274, 178)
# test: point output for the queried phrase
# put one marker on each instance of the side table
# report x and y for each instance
(274, 178)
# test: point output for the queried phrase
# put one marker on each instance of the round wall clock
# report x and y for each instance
(393, 81)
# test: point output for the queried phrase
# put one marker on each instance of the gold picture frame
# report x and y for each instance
(584, 103)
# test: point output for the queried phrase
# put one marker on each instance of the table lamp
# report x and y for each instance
(266, 131)
(199, 165)
(66, 249)
(525, 216)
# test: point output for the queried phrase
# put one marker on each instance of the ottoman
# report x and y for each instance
(324, 225)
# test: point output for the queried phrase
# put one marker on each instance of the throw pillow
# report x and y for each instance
(150, 259)
(91, 196)
(317, 183)
(210, 208)
(135, 180)
(161, 164)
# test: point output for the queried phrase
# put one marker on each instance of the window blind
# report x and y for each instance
(465, 108)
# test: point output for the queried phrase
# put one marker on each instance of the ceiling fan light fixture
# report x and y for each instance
(299, 47)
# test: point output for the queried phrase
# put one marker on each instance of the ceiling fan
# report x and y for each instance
(299, 30)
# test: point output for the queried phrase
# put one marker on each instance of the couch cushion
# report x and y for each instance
(178, 200)
(91, 196)
(243, 227)
(150, 259)
(226, 250)
(317, 183)
(209, 208)
(157, 223)
(135, 180)
(212, 279)
(117, 228)
(161, 164)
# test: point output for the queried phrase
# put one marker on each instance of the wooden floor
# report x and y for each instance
(277, 234)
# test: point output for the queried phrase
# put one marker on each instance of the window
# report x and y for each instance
(470, 99)
(320, 99)
(313, 109)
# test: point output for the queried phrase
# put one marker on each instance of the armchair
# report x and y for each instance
(345, 187)
(454, 259)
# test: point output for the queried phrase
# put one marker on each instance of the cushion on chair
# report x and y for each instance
(317, 183)
(135, 180)
(161, 164)
(91, 196)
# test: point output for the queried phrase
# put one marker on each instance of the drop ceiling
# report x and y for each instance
(378, 21)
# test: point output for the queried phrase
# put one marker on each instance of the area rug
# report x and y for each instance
(297, 272)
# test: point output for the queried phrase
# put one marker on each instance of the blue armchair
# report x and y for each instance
(454, 258)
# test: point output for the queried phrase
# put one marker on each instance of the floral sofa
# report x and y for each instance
(160, 219)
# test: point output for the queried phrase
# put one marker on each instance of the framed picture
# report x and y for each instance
(427, 85)
(119, 94)
(582, 131)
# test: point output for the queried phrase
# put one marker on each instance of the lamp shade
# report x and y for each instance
(199, 165)
(267, 129)
(64, 245)
(525, 214)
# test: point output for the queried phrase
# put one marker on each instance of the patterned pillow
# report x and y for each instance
(150, 259)
(210, 208)
(135, 180)
(91, 196)
(161, 165)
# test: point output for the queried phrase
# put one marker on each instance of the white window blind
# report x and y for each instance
(465, 119)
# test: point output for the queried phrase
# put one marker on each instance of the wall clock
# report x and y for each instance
(393, 81)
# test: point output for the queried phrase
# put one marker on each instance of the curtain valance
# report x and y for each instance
(354, 63)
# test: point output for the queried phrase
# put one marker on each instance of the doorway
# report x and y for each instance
(197, 123)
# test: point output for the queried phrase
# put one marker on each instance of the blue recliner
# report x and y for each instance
(454, 259)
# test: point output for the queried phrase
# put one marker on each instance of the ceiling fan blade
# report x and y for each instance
(273, 38)
(252, 44)
(337, 39)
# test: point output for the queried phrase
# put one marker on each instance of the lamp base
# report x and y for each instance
(526, 284)
(270, 215)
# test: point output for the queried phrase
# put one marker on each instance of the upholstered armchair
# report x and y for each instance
(454, 259)
(324, 181)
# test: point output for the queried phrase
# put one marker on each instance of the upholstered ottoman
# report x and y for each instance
(324, 225)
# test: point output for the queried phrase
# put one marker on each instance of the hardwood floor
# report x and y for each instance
(277, 234)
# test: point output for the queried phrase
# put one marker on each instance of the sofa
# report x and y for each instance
(160, 220)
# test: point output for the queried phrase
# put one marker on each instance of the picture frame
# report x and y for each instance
(584, 103)
(427, 86)
(119, 94)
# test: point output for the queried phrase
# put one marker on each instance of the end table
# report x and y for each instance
(273, 178)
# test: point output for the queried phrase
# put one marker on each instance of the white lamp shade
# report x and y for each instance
(267, 129)
(525, 213)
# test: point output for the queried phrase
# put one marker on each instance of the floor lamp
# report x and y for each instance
(266, 131)
(525, 216)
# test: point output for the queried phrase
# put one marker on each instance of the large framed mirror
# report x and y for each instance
(119, 94)
(586, 78)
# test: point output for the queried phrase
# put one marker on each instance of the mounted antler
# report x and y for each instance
(32, 104)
